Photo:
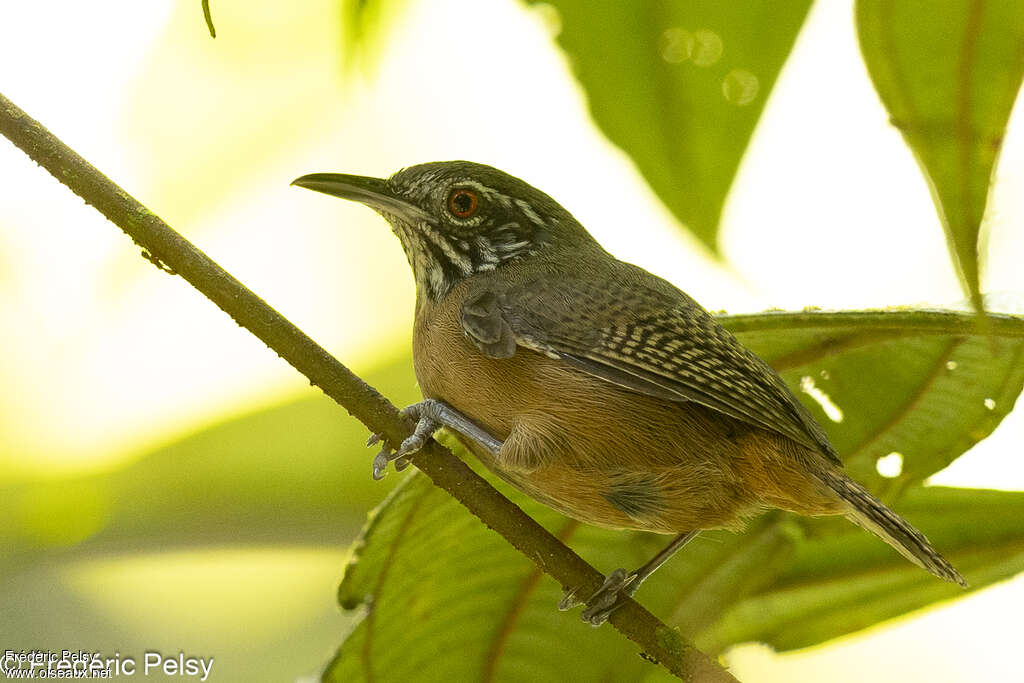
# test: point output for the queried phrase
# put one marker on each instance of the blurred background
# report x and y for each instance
(155, 459)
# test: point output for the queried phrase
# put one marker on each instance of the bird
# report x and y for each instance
(592, 385)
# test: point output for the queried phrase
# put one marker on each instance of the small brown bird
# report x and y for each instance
(592, 385)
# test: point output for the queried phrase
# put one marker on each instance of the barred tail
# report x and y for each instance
(870, 513)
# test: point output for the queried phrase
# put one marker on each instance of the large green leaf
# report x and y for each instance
(679, 86)
(428, 578)
(423, 561)
(842, 581)
(948, 73)
(444, 599)
(923, 384)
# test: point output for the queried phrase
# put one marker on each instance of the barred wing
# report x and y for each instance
(652, 338)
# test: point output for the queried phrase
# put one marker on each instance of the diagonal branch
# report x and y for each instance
(173, 253)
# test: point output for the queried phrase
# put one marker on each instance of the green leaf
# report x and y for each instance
(842, 581)
(679, 86)
(423, 561)
(948, 73)
(445, 599)
(923, 384)
(428, 578)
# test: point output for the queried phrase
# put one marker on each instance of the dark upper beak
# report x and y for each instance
(373, 192)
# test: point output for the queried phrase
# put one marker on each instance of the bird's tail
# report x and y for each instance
(870, 513)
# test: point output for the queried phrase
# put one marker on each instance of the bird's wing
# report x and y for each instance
(650, 338)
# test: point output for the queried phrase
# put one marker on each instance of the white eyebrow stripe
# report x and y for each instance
(488, 192)
(483, 189)
(525, 207)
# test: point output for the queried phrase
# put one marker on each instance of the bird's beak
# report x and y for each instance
(373, 192)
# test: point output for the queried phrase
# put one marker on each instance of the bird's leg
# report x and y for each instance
(430, 415)
(606, 600)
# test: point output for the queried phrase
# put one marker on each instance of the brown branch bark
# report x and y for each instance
(173, 253)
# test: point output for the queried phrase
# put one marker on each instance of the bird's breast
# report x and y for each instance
(581, 445)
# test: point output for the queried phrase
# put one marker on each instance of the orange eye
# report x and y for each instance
(463, 203)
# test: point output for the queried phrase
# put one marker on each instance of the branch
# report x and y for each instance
(174, 254)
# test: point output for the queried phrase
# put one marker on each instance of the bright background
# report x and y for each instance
(105, 358)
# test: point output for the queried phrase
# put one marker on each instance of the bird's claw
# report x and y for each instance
(381, 460)
(380, 464)
(417, 440)
(426, 425)
(606, 600)
(569, 600)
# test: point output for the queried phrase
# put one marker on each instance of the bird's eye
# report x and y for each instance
(463, 203)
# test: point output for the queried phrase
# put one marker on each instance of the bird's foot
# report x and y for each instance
(427, 422)
(430, 415)
(606, 600)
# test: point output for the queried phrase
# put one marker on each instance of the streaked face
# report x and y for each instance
(456, 218)
(472, 227)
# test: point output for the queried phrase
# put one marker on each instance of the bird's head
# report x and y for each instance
(457, 218)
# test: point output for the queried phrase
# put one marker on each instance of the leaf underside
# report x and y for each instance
(948, 74)
(679, 86)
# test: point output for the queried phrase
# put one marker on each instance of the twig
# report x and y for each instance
(174, 254)
(209, 18)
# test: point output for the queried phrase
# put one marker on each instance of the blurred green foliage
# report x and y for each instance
(289, 481)
(364, 28)
(295, 474)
